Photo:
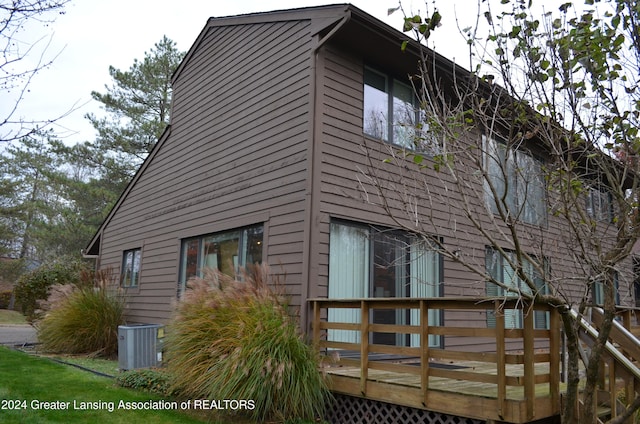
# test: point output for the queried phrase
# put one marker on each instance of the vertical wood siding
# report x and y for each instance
(236, 156)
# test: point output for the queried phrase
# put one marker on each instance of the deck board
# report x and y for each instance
(472, 396)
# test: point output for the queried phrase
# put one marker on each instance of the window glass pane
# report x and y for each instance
(222, 250)
(348, 275)
(226, 251)
(404, 115)
(253, 249)
(135, 274)
(500, 268)
(130, 268)
(190, 252)
(424, 281)
(531, 192)
(495, 163)
(376, 105)
(518, 182)
(599, 205)
(127, 268)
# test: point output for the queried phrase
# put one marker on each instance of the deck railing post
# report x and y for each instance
(364, 345)
(529, 360)
(316, 326)
(501, 357)
(554, 358)
(424, 350)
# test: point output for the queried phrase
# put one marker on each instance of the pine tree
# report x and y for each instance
(137, 105)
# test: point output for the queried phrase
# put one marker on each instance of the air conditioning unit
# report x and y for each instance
(139, 346)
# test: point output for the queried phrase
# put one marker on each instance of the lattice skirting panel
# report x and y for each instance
(353, 410)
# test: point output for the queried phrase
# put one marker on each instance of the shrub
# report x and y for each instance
(235, 340)
(5, 299)
(152, 380)
(82, 320)
(33, 287)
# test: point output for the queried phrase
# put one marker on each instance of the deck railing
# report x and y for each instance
(619, 372)
(508, 365)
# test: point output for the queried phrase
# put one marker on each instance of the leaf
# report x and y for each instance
(435, 20)
(391, 11)
(488, 17)
(403, 47)
(565, 6)
(417, 159)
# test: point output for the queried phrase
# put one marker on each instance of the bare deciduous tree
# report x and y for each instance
(22, 59)
(538, 162)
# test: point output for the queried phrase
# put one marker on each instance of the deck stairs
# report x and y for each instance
(619, 381)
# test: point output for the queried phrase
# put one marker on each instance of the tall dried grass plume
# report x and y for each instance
(236, 339)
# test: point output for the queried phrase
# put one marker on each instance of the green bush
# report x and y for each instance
(235, 340)
(82, 320)
(152, 380)
(5, 298)
(33, 287)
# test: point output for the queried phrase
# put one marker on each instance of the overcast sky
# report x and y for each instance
(94, 34)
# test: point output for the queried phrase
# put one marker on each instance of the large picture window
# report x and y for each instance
(130, 275)
(391, 111)
(372, 262)
(517, 180)
(226, 251)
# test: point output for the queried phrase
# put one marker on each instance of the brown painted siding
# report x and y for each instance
(342, 197)
(236, 156)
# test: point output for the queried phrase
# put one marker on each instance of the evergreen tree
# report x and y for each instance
(28, 202)
(137, 105)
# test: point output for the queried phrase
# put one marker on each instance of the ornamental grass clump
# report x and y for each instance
(235, 340)
(82, 319)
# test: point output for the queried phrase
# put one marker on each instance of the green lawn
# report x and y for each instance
(11, 317)
(29, 385)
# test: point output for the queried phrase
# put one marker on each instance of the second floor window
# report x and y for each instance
(599, 205)
(391, 111)
(517, 180)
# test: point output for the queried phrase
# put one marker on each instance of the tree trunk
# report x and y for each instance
(570, 413)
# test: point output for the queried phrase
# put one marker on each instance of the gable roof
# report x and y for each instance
(357, 33)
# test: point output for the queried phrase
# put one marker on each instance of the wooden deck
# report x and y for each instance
(516, 386)
(449, 395)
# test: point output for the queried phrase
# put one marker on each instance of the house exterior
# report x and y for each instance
(274, 117)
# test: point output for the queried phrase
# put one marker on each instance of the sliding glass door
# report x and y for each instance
(372, 262)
